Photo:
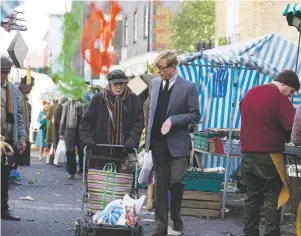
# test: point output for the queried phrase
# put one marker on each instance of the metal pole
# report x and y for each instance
(298, 49)
(229, 142)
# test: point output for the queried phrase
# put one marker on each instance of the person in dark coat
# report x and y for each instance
(72, 114)
(114, 116)
(57, 120)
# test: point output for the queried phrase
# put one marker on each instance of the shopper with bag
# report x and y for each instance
(72, 114)
(114, 116)
(173, 107)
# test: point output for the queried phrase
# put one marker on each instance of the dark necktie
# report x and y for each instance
(166, 86)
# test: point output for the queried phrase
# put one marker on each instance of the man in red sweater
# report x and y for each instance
(267, 117)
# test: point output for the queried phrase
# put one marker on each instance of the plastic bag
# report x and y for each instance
(145, 176)
(110, 215)
(131, 209)
(60, 154)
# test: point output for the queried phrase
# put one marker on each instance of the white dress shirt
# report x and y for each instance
(171, 81)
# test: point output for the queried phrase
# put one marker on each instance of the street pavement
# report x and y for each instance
(57, 200)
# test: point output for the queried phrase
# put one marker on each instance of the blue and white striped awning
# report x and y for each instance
(265, 56)
(7, 7)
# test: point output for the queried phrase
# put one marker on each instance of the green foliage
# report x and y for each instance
(195, 23)
(222, 42)
(152, 69)
(69, 81)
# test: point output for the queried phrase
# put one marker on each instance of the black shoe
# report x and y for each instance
(160, 232)
(178, 226)
(6, 215)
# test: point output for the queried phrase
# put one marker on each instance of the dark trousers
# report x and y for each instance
(5, 170)
(262, 181)
(169, 175)
(24, 158)
(71, 161)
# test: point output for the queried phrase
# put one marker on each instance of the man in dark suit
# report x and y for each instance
(174, 106)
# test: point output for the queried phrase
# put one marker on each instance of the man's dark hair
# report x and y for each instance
(23, 80)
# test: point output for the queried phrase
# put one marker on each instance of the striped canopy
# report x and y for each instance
(293, 15)
(7, 7)
(257, 61)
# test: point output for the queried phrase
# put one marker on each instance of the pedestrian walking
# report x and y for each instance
(114, 116)
(57, 120)
(173, 106)
(24, 158)
(72, 114)
(267, 117)
(12, 129)
(50, 133)
(41, 136)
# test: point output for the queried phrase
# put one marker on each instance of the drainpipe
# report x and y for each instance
(149, 26)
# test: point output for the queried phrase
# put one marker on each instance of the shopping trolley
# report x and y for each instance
(84, 225)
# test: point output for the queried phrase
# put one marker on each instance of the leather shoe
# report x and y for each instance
(160, 232)
(6, 215)
(178, 226)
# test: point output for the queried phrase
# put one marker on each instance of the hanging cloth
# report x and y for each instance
(278, 160)
(97, 30)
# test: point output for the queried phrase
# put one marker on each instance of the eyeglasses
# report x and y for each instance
(162, 68)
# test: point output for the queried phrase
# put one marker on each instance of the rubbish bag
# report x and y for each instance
(145, 176)
(110, 215)
(60, 154)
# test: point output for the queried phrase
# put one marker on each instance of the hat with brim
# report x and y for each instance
(116, 76)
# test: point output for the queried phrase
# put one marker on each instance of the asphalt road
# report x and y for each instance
(56, 206)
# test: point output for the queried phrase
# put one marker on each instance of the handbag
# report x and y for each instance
(105, 186)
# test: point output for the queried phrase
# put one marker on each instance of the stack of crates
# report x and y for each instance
(200, 140)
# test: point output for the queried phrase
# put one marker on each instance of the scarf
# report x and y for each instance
(72, 116)
(115, 109)
(9, 105)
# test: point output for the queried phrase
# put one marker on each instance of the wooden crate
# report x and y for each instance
(201, 204)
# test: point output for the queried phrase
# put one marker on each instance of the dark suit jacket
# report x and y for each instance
(183, 110)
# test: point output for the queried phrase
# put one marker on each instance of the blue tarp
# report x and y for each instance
(258, 61)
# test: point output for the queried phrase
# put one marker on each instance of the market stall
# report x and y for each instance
(223, 76)
(293, 154)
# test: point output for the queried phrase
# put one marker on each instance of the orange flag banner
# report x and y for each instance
(99, 30)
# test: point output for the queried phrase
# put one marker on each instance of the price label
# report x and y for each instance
(291, 170)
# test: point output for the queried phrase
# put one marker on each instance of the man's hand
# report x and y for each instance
(21, 145)
(166, 126)
(62, 137)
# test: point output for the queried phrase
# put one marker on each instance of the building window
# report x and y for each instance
(125, 39)
(135, 26)
(146, 26)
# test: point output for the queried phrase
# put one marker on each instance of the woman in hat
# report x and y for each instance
(41, 136)
(114, 116)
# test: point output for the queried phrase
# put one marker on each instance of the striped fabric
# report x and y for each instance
(7, 7)
(270, 54)
(97, 179)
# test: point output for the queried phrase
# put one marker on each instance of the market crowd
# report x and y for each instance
(116, 116)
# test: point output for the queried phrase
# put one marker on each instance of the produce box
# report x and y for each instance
(200, 140)
(203, 181)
